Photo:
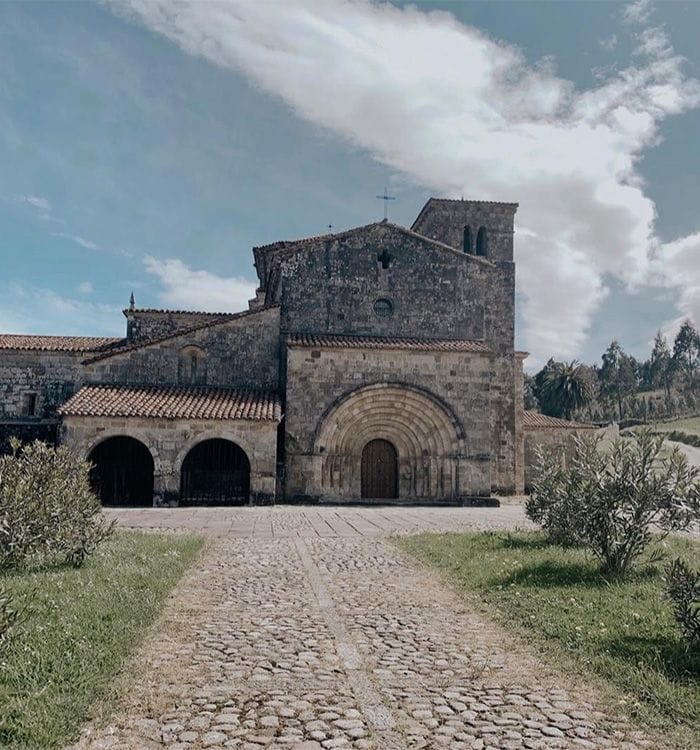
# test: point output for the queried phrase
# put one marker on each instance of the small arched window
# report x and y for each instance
(481, 242)
(467, 239)
(192, 366)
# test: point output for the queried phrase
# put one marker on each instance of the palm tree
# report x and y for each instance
(567, 387)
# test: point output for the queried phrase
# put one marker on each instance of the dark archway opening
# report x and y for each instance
(380, 471)
(215, 472)
(122, 472)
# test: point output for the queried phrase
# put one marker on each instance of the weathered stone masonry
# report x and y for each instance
(388, 355)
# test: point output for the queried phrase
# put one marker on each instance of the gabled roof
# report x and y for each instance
(57, 343)
(533, 420)
(173, 402)
(338, 341)
(261, 252)
(129, 346)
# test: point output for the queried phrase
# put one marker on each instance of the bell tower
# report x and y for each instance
(480, 228)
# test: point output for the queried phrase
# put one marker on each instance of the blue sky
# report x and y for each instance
(146, 148)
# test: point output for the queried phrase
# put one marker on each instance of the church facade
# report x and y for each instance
(374, 365)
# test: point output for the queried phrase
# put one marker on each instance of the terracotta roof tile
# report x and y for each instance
(57, 343)
(165, 311)
(533, 420)
(386, 342)
(173, 402)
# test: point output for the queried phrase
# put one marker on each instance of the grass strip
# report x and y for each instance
(82, 625)
(620, 631)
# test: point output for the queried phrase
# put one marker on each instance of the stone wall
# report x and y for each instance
(444, 220)
(52, 375)
(142, 325)
(241, 352)
(437, 402)
(169, 441)
(333, 286)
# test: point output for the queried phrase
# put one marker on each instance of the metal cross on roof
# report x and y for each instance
(386, 198)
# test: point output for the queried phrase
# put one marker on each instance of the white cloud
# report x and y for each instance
(86, 287)
(43, 311)
(463, 114)
(187, 289)
(638, 12)
(609, 43)
(88, 244)
(37, 201)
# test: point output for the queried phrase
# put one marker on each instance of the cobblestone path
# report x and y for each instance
(309, 643)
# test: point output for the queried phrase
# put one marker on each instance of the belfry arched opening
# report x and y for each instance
(215, 472)
(122, 472)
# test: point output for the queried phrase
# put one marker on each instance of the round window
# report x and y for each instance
(383, 307)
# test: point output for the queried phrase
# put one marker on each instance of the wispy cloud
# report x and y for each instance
(37, 201)
(86, 287)
(609, 43)
(638, 12)
(463, 114)
(45, 311)
(87, 244)
(188, 289)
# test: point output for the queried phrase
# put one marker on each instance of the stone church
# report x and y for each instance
(374, 365)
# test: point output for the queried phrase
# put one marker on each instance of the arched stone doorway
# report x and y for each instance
(215, 472)
(379, 471)
(122, 472)
(426, 437)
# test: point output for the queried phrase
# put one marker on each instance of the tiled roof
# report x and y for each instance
(57, 343)
(533, 420)
(386, 342)
(214, 321)
(468, 200)
(199, 313)
(172, 402)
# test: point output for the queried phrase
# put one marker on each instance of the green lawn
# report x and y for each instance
(82, 625)
(622, 632)
(690, 425)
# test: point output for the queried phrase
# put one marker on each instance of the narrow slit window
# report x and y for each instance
(481, 242)
(467, 239)
(29, 405)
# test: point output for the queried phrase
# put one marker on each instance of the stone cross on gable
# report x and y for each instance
(386, 198)
(385, 258)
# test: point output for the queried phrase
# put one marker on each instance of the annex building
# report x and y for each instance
(375, 364)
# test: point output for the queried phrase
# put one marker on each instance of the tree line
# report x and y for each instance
(622, 387)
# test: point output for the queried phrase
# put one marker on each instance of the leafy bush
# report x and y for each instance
(48, 512)
(609, 501)
(683, 590)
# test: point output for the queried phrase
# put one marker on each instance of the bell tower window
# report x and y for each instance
(467, 239)
(481, 242)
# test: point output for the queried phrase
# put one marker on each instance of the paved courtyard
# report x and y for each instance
(273, 522)
(307, 629)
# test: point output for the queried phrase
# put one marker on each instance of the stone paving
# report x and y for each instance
(321, 521)
(301, 638)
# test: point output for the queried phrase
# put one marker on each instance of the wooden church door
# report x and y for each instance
(380, 470)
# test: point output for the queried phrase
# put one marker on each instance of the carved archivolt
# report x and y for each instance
(427, 438)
